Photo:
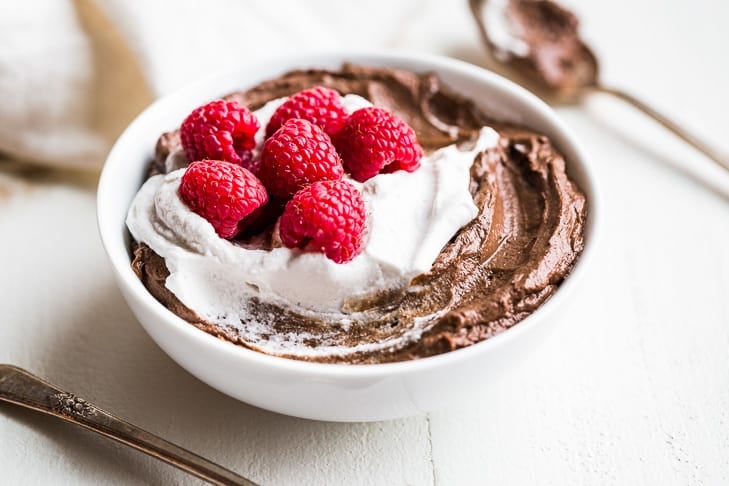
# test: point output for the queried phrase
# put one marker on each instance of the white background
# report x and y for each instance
(632, 389)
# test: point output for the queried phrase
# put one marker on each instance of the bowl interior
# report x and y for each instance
(127, 163)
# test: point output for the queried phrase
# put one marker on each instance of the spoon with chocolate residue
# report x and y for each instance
(538, 44)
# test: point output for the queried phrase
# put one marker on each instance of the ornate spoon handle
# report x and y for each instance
(22, 388)
(677, 130)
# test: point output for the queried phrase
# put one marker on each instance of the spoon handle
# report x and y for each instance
(22, 388)
(679, 131)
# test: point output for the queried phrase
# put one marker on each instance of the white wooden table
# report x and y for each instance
(632, 389)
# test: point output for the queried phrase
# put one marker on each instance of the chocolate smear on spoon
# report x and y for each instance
(537, 43)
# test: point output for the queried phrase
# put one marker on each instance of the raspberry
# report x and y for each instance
(220, 130)
(328, 217)
(373, 140)
(222, 193)
(321, 106)
(298, 154)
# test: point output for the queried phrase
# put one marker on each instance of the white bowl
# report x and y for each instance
(335, 392)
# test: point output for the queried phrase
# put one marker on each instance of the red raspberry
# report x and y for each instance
(222, 193)
(328, 217)
(220, 130)
(374, 140)
(298, 154)
(321, 106)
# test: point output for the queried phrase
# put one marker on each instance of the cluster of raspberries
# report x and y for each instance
(311, 143)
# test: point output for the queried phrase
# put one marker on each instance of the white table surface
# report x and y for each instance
(632, 389)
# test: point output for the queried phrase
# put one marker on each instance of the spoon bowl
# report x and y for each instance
(536, 43)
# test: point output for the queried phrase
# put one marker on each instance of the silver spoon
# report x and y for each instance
(536, 43)
(22, 388)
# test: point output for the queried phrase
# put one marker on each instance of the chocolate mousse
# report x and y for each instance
(494, 272)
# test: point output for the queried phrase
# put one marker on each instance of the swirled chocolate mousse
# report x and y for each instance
(457, 248)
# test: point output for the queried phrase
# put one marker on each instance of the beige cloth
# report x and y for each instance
(73, 73)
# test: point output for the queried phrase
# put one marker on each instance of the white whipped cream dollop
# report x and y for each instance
(410, 218)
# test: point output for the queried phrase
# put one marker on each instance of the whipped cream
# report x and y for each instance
(410, 217)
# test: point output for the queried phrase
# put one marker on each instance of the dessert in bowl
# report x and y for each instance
(459, 259)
